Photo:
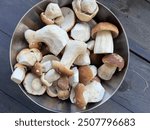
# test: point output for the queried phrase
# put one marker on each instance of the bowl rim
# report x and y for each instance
(86, 110)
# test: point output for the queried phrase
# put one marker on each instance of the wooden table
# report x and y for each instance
(134, 93)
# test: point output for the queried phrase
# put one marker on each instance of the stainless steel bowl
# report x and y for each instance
(32, 20)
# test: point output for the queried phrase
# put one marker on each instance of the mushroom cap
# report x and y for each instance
(105, 26)
(61, 69)
(49, 58)
(83, 16)
(37, 54)
(51, 91)
(37, 69)
(63, 83)
(114, 60)
(63, 94)
(44, 81)
(87, 73)
(18, 65)
(33, 85)
(79, 97)
(69, 19)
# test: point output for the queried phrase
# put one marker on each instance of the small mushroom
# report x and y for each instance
(81, 32)
(52, 91)
(111, 62)
(87, 73)
(90, 45)
(69, 19)
(26, 57)
(37, 54)
(63, 94)
(104, 33)
(74, 79)
(72, 51)
(33, 85)
(19, 73)
(85, 10)
(52, 35)
(52, 14)
(83, 59)
(63, 83)
(44, 66)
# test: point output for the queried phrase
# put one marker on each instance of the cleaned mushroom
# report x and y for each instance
(33, 85)
(104, 33)
(72, 51)
(63, 94)
(28, 57)
(81, 32)
(85, 10)
(63, 83)
(52, 14)
(18, 74)
(52, 35)
(87, 73)
(83, 59)
(74, 79)
(45, 65)
(69, 19)
(90, 45)
(111, 62)
(52, 91)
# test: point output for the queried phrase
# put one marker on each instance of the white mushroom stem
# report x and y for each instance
(83, 59)
(46, 66)
(90, 45)
(106, 71)
(72, 51)
(103, 43)
(74, 79)
(94, 92)
(52, 35)
(51, 76)
(18, 75)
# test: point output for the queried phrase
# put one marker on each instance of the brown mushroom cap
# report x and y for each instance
(63, 94)
(63, 83)
(105, 26)
(85, 74)
(79, 97)
(37, 69)
(61, 69)
(114, 60)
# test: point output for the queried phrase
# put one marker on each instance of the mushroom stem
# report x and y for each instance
(18, 75)
(106, 71)
(103, 43)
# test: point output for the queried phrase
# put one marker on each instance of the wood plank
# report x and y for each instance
(9, 105)
(135, 17)
(134, 93)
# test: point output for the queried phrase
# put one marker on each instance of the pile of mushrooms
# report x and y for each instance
(80, 53)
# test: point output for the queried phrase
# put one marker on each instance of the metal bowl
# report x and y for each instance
(32, 20)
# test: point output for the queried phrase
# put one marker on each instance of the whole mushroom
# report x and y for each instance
(85, 10)
(104, 33)
(111, 63)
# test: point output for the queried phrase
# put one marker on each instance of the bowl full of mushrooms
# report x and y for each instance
(69, 56)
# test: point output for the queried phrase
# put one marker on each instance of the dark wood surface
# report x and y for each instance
(134, 93)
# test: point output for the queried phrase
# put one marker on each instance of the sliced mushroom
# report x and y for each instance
(52, 35)
(85, 10)
(26, 57)
(81, 32)
(104, 33)
(33, 85)
(72, 51)
(111, 62)
(69, 19)
(87, 73)
(52, 14)
(44, 66)
(18, 74)
(83, 59)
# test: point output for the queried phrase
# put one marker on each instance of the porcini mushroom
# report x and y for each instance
(104, 33)
(111, 63)
(69, 19)
(45, 65)
(63, 83)
(26, 57)
(33, 85)
(52, 91)
(72, 51)
(85, 10)
(52, 14)
(81, 32)
(87, 73)
(18, 74)
(83, 59)
(52, 35)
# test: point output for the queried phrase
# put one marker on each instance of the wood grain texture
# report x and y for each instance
(134, 93)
